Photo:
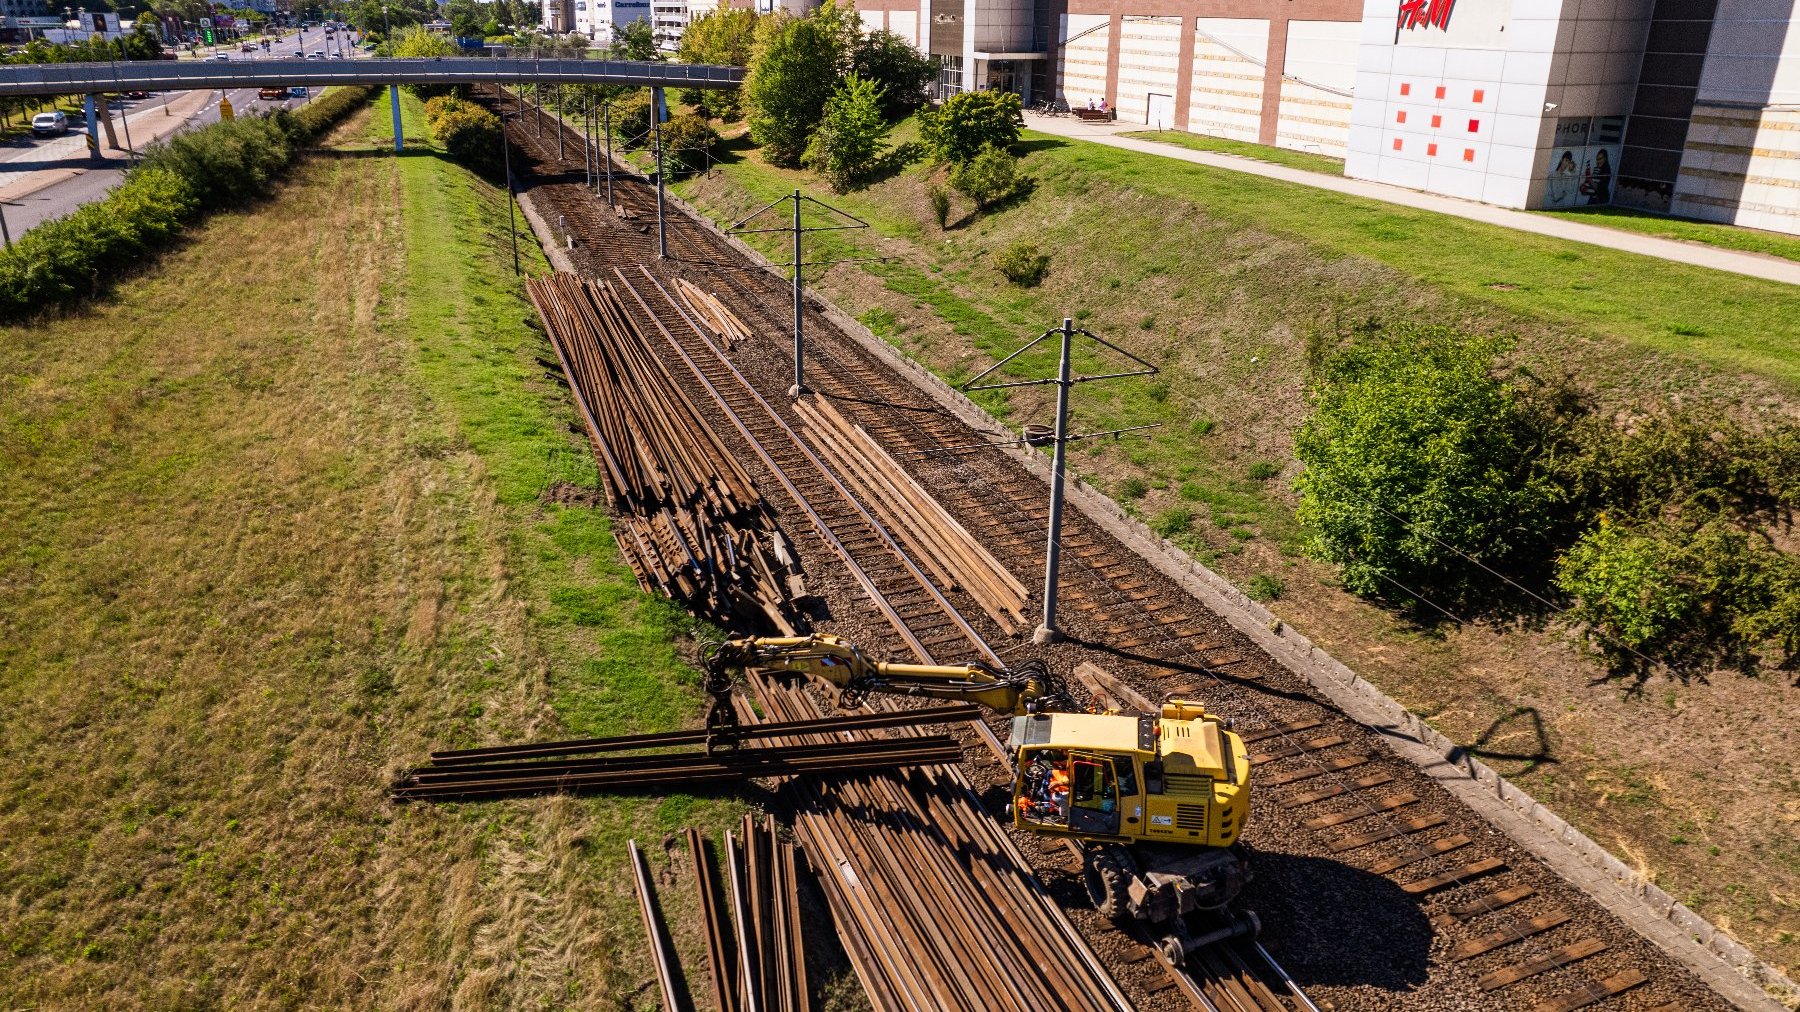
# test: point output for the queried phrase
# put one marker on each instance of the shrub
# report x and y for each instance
(1265, 587)
(75, 255)
(970, 122)
(1022, 264)
(989, 178)
(315, 117)
(1419, 458)
(1133, 488)
(1263, 470)
(229, 163)
(792, 74)
(689, 141)
(471, 135)
(631, 119)
(847, 146)
(940, 203)
(1692, 595)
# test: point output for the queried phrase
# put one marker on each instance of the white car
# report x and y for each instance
(46, 124)
(220, 56)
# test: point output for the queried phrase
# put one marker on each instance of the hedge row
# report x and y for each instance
(226, 164)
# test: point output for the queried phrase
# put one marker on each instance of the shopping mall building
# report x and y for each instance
(1685, 106)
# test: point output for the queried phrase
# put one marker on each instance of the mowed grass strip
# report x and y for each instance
(271, 531)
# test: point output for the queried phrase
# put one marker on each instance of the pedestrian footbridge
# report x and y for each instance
(198, 75)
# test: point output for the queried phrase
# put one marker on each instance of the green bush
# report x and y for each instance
(471, 135)
(1173, 521)
(1264, 587)
(1419, 458)
(228, 163)
(631, 119)
(1263, 470)
(1133, 488)
(940, 203)
(314, 118)
(847, 145)
(415, 42)
(1692, 595)
(689, 141)
(75, 256)
(989, 178)
(1022, 263)
(970, 122)
(900, 71)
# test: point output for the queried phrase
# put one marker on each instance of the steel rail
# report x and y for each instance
(749, 758)
(718, 954)
(659, 941)
(846, 722)
(881, 531)
(205, 75)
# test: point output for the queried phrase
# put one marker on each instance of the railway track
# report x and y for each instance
(1504, 932)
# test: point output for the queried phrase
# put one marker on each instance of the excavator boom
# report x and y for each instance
(838, 663)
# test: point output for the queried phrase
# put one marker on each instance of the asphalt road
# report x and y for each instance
(96, 179)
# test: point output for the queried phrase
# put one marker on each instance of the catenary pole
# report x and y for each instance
(662, 234)
(799, 301)
(1046, 631)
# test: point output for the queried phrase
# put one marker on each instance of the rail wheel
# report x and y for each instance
(1108, 872)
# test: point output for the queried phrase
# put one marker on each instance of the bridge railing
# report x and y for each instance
(195, 75)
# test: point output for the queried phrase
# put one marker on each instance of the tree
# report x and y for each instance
(414, 41)
(793, 72)
(971, 121)
(900, 70)
(988, 178)
(687, 141)
(1419, 459)
(633, 41)
(725, 36)
(848, 143)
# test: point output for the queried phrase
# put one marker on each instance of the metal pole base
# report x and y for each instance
(1045, 634)
(795, 391)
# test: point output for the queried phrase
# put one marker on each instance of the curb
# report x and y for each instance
(1726, 966)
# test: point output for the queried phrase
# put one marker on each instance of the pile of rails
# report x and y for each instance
(691, 523)
(935, 907)
(590, 764)
(756, 959)
(953, 556)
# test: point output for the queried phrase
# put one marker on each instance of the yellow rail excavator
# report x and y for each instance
(1156, 801)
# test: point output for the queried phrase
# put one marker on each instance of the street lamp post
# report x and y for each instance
(387, 23)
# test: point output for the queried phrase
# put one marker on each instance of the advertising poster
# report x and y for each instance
(1584, 161)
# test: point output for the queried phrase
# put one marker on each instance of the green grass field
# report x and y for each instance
(1725, 236)
(259, 554)
(1310, 161)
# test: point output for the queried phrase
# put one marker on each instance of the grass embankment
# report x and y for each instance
(1748, 240)
(1308, 160)
(259, 554)
(1232, 283)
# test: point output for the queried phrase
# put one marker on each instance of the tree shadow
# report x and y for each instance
(1026, 147)
(1535, 755)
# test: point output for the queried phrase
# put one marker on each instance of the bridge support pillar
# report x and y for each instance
(93, 129)
(394, 100)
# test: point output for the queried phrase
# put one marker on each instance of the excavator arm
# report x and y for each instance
(838, 663)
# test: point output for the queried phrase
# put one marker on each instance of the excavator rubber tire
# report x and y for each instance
(1108, 872)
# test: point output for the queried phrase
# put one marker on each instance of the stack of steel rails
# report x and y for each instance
(593, 763)
(934, 906)
(691, 523)
(765, 892)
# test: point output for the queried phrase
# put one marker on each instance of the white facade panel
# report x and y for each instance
(1225, 93)
(1149, 55)
(1318, 78)
(1086, 38)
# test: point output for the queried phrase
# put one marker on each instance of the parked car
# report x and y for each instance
(248, 47)
(299, 52)
(48, 124)
(137, 94)
(337, 56)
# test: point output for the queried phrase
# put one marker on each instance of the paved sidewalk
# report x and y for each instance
(1754, 265)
